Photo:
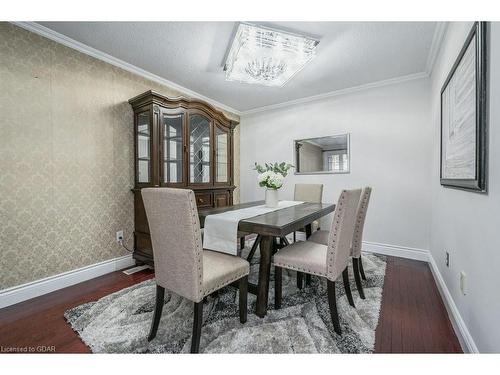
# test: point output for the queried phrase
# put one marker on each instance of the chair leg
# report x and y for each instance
(254, 248)
(347, 286)
(284, 241)
(357, 278)
(276, 245)
(243, 295)
(197, 323)
(300, 277)
(160, 296)
(242, 242)
(294, 237)
(332, 301)
(361, 270)
(278, 279)
(308, 279)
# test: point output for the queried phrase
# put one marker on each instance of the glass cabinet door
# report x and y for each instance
(199, 149)
(173, 148)
(143, 148)
(221, 154)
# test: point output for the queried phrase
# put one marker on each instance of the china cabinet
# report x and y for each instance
(179, 143)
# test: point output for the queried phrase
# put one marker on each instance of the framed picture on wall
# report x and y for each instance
(464, 117)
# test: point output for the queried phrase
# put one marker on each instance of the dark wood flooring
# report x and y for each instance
(413, 318)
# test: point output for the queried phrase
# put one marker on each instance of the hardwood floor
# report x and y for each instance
(413, 318)
(40, 321)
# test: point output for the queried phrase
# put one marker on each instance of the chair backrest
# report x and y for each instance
(360, 221)
(308, 193)
(176, 238)
(341, 233)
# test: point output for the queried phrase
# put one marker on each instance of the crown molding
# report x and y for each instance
(64, 40)
(331, 94)
(71, 43)
(437, 40)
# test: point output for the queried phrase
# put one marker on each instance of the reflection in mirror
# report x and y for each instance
(322, 155)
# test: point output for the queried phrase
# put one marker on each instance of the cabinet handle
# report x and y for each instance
(200, 200)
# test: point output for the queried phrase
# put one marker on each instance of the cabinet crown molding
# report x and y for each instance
(151, 97)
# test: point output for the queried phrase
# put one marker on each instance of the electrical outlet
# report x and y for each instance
(119, 236)
(463, 283)
(447, 259)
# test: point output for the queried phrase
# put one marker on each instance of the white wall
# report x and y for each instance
(391, 150)
(464, 223)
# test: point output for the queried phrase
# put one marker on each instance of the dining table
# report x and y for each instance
(270, 227)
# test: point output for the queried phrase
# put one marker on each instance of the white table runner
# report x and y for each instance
(221, 230)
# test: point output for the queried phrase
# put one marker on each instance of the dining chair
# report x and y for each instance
(321, 237)
(328, 261)
(181, 264)
(308, 193)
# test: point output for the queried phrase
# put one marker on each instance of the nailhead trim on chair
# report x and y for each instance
(202, 293)
(199, 250)
(332, 245)
(300, 269)
(224, 283)
(360, 220)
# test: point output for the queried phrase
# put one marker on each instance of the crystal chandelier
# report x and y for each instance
(266, 56)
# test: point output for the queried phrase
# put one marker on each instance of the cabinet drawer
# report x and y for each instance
(222, 199)
(203, 199)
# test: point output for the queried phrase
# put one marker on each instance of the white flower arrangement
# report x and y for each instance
(271, 180)
(272, 175)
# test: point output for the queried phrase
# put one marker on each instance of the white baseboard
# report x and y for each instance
(386, 249)
(396, 251)
(461, 330)
(37, 288)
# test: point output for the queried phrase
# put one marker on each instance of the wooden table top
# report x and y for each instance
(278, 223)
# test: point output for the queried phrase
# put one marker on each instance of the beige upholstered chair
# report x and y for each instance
(309, 193)
(181, 264)
(321, 237)
(329, 261)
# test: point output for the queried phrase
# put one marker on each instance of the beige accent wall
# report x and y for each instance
(66, 157)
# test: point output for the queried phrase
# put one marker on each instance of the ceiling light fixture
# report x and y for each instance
(267, 56)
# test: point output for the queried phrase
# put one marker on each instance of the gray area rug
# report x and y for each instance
(120, 322)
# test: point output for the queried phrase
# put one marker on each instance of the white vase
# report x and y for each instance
(272, 198)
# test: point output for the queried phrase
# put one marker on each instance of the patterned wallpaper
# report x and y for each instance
(66, 157)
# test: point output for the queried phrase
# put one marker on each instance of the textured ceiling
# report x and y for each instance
(192, 54)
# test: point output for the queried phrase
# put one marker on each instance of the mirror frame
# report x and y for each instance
(323, 172)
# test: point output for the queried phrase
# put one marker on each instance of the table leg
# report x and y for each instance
(308, 234)
(308, 231)
(266, 248)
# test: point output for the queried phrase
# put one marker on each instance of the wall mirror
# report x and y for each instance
(322, 155)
